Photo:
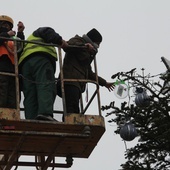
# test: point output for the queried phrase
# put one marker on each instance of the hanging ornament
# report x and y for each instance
(121, 90)
(141, 99)
(128, 132)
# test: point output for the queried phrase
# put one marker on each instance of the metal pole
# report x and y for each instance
(98, 94)
(16, 78)
(62, 82)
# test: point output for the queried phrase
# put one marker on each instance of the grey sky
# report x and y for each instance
(135, 34)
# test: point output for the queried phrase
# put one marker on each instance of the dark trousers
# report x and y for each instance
(7, 84)
(38, 87)
(7, 92)
(72, 96)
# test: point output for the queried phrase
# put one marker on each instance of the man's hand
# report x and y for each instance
(21, 26)
(89, 47)
(11, 33)
(64, 44)
(110, 86)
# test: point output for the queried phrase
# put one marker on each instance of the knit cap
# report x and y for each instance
(94, 35)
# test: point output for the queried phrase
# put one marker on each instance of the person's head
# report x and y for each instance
(95, 36)
(6, 23)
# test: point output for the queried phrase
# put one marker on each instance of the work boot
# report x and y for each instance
(45, 117)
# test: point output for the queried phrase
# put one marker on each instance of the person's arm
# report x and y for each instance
(48, 35)
(76, 45)
(20, 31)
(6, 35)
(92, 76)
(20, 34)
(102, 82)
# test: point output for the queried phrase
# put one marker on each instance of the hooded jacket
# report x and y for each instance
(77, 63)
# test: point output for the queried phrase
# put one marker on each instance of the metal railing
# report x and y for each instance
(16, 74)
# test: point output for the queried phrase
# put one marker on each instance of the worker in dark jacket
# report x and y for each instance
(7, 83)
(37, 66)
(77, 65)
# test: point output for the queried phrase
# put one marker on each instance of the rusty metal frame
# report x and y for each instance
(16, 77)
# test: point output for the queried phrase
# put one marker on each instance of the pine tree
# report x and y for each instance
(150, 117)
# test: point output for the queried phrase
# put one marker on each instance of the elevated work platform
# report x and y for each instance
(76, 137)
(46, 140)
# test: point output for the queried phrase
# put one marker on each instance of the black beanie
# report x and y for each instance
(94, 35)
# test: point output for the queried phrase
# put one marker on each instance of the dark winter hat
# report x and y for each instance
(94, 35)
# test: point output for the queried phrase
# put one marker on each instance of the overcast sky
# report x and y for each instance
(136, 33)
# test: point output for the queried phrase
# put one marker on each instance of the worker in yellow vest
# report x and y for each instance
(7, 83)
(37, 66)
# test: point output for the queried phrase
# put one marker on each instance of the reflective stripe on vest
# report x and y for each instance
(31, 48)
(8, 49)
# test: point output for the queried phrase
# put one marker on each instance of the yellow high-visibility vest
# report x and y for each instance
(31, 48)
